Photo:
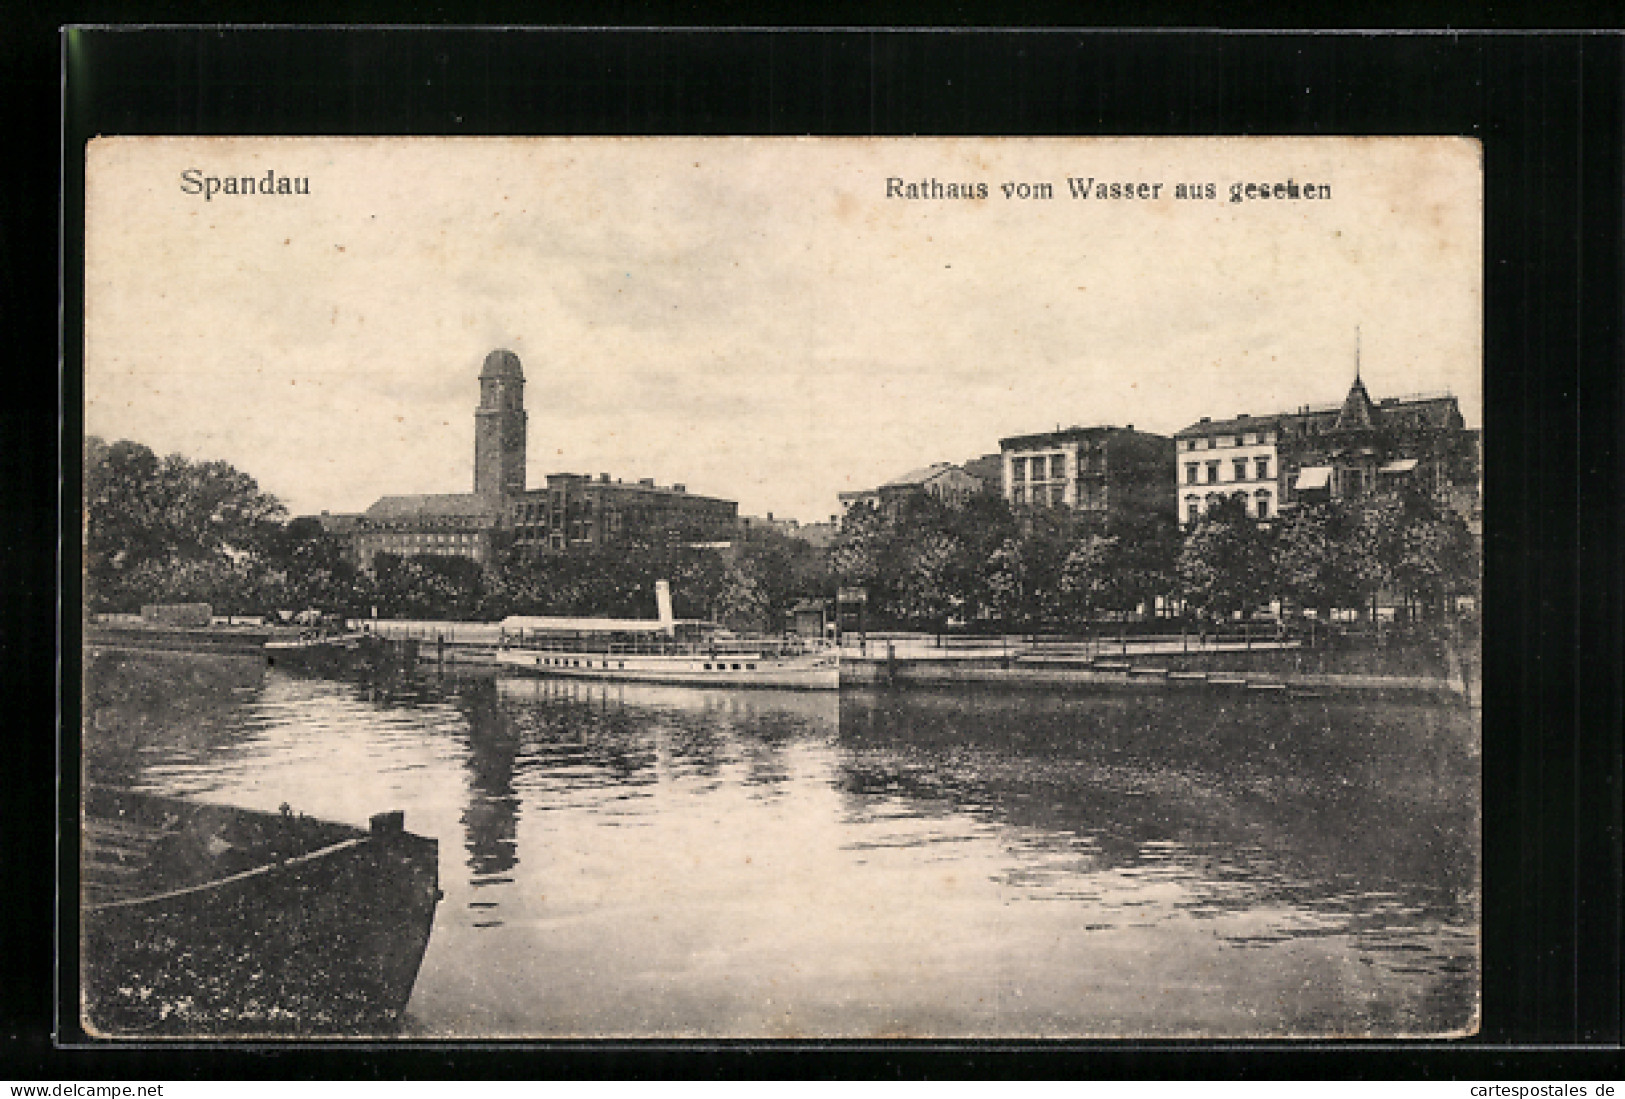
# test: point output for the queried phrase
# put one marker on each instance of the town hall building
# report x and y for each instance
(573, 512)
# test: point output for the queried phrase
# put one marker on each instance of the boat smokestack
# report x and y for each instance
(663, 604)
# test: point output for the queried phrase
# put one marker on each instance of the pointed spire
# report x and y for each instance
(1357, 407)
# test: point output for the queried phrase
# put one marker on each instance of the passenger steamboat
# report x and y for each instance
(664, 650)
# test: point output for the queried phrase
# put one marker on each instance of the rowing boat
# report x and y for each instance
(206, 920)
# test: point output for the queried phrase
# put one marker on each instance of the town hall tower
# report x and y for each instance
(499, 427)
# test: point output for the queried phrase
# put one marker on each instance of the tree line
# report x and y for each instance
(171, 530)
(932, 565)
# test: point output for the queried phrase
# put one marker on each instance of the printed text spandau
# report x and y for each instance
(1093, 189)
(194, 181)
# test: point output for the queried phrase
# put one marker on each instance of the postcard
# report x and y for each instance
(812, 588)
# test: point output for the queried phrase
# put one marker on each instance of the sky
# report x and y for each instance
(768, 320)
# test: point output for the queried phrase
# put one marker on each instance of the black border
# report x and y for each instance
(1550, 111)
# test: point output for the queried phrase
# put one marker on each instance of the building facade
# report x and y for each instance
(574, 511)
(1219, 458)
(1111, 473)
(450, 524)
(1331, 452)
(989, 470)
(942, 481)
(578, 512)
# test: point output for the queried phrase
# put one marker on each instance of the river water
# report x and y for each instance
(627, 860)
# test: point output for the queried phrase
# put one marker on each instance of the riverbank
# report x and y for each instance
(1279, 666)
(1268, 667)
(1259, 674)
(243, 640)
(1121, 675)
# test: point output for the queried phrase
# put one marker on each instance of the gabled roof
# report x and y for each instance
(1436, 412)
(989, 468)
(1357, 412)
(1240, 423)
(339, 523)
(434, 505)
(922, 476)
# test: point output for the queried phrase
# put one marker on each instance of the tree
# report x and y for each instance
(1224, 566)
(1374, 545)
(308, 568)
(157, 528)
(928, 596)
(865, 554)
(743, 605)
(1047, 542)
(855, 556)
(1006, 583)
(428, 586)
(1314, 558)
(785, 570)
(1431, 556)
(1147, 559)
(1092, 578)
(979, 528)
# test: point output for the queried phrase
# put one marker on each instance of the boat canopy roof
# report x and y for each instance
(554, 624)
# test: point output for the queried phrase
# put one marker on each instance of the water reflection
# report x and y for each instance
(152, 708)
(1269, 824)
(492, 816)
(643, 860)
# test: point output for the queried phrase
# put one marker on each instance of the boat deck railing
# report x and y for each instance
(720, 647)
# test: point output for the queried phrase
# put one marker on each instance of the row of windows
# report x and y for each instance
(578, 662)
(1239, 468)
(1219, 442)
(1052, 494)
(418, 526)
(543, 514)
(1090, 496)
(1196, 505)
(1053, 467)
(1040, 468)
(419, 540)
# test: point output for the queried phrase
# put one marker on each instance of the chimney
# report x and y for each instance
(1205, 420)
(603, 478)
(679, 488)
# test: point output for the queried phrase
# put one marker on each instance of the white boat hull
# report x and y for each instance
(819, 671)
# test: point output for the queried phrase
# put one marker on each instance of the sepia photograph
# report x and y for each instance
(781, 588)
